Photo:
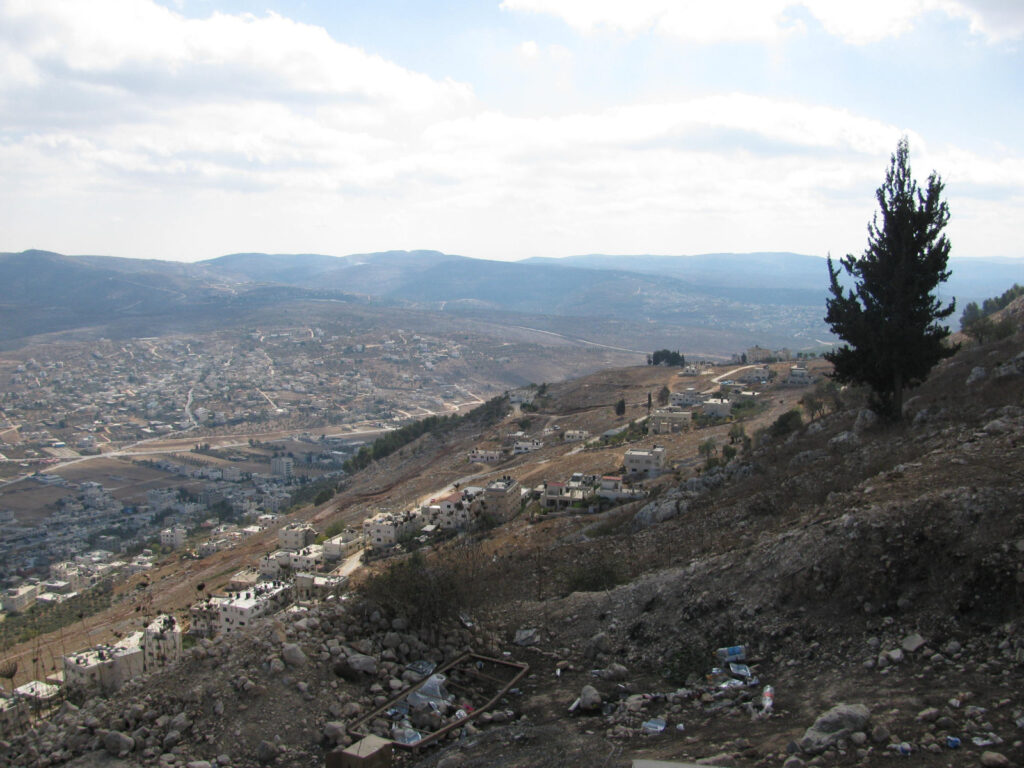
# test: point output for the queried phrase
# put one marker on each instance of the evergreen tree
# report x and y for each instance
(890, 320)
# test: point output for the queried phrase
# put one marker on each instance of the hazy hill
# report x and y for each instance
(706, 304)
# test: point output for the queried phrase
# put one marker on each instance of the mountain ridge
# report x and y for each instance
(769, 298)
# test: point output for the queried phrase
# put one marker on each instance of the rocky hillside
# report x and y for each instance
(874, 574)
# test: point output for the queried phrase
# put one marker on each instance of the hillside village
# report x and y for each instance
(596, 495)
(302, 554)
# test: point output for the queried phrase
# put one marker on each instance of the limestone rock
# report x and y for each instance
(590, 699)
(838, 723)
(118, 744)
(293, 655)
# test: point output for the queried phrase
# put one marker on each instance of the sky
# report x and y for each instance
(501, 129)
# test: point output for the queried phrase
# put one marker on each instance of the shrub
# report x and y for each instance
(593, 575)
(428, 592)
(786, 424)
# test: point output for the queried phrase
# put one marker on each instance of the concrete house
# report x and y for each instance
(668, 420)
(501, 498)
(346, 543)
(485, 456)
(684, 398)
(295, 536)
(383, 530)
(645, 462)
(106, 667)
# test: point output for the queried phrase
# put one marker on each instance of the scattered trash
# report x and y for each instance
(904, 748)
(422, 667)
(525, 637)
(429, 711)
(653, 726)
(767, 701)
(680, 727)
(741, 669)
(732, 653)
(405, 735)
(953, 742)
(432, 693)
(981, 741)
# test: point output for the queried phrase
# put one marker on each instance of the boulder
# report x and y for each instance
(360, 662)
(838, 723)
(118, 744)
(590, 699)
(266, 752)
(293, 655)
(526, 637)
(995, 760)
(913, 643)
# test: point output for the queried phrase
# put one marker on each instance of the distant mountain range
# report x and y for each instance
(768, 298)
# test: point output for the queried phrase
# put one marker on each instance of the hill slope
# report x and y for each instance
(860, 564)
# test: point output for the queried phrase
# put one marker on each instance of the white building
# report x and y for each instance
(295, 536)
(501, 498)
(759, 374)
(318, 586)
(105, 667)
(716, 408)
(612, 488)
(309, 558)
(687, 397)
(525, 446)
(242, 610)
(37, 693)
(798, 376)
(282, 466)
(648, 462)
(346, 543)
(383, 530)
(174, 537)
(19, 599)
(161, 642)
(486, 457)
(575, 435)
(448, 512)
(758, 354)
(667, 420)
(13, 713)
(273, 564)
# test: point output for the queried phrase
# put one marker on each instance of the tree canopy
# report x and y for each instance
(666, 357)
(890, 318)
(977, 321)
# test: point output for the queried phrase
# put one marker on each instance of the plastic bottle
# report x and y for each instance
(767, 700)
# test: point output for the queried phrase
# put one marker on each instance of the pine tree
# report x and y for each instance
(890, 320)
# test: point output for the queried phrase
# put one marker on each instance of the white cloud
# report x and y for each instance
(236, 132)
(685, 19)
(529, 50)
(702, 21)
(144, 48)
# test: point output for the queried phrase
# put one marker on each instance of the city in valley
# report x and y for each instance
(137, 456)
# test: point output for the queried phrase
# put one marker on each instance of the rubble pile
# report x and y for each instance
(281, 694)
